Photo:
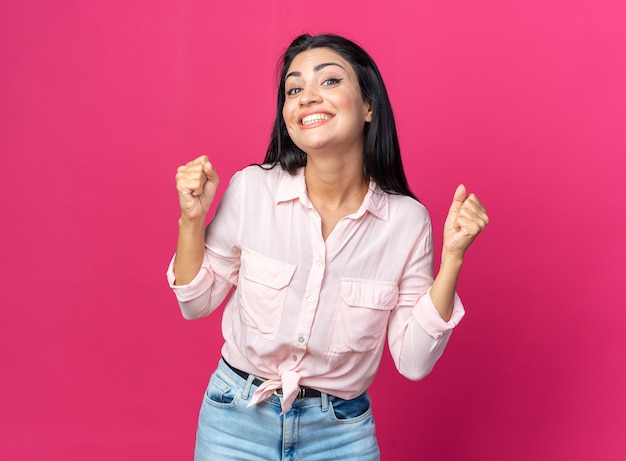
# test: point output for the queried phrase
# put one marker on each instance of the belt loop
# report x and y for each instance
(324, 401)
(246, 389)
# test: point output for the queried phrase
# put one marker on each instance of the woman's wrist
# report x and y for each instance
(452, 262)
(185, 223)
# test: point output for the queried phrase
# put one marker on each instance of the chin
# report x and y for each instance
(312, 145)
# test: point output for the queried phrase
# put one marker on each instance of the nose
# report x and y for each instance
(309, 95)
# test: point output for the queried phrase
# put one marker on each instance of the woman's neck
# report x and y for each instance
(335, 182)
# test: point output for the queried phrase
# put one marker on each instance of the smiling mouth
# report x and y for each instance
(314, 118)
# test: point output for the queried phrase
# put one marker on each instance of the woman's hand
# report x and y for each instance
(196, 183)
(466, 219)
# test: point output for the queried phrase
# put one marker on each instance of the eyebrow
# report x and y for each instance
(317, 68)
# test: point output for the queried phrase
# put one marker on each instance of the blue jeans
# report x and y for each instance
(315, 429)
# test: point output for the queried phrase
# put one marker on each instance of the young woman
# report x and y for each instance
(330, 254)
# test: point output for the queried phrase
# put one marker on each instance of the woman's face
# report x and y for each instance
(323, 103)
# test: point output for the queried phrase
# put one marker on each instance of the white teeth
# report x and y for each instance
(315, 118)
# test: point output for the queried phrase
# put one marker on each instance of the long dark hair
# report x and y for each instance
(381, 150)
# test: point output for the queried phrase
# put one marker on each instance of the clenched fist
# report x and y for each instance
(466, 219)
(196, 183)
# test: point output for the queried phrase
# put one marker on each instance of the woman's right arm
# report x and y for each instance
(196, 183)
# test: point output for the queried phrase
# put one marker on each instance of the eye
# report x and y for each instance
(293, 91)
(331, 81)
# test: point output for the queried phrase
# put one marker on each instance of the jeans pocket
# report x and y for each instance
(220, 394)
(350, 411)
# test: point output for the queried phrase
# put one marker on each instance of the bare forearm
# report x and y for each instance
(196, 183)
(444, 287)
(466, 219)
(189, 250)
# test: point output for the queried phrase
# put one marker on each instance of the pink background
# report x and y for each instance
(100, 101)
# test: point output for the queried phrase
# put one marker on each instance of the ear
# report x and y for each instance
(370, 110)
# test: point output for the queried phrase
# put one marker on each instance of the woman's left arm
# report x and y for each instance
(466, 219)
